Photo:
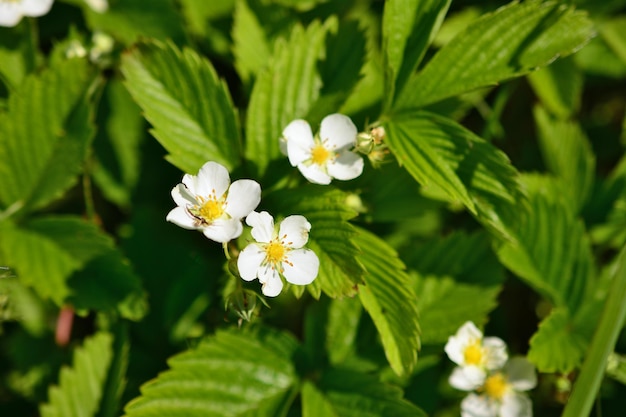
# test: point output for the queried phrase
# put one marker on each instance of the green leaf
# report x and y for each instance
(356, 394)
(17, 53)
(314, 404)
(568, 155)
(390, 300)
(116, 379)
(613, 33)
(409, 26)
(251, 47)
(597, 58)
(229, 374)
(331, 236)
(507, 43)
(559, 86)
(45, 135)
(81, 386)
(187, 104)
(442, 154)
(284, 91)
(344, 315)
(551, 251)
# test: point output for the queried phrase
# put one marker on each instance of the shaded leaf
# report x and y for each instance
(17, 53)
(559, 86)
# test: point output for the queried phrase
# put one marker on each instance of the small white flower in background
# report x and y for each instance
(278, 253)
(98, 6)
(75, 49)
(209, 203)
(468, 349)
(326, 156)
(12, 11)
(102, 45)
(501, 394)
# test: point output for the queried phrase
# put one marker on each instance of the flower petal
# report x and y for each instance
(467, 378)
(347, 166)
(36, 8)
(181, 218)
(223, 230)
(299, 139)
(212, 178)
(516, 405)
(249, 261)
(302, 268)
(182, 197)
(455, 348)
(315, 174)
(521, 374)
(338, 131)
(262, 226)
(10, 14)
(243, 197)
(495, 352)
(272, 284)
(294, 231)
(478, 406)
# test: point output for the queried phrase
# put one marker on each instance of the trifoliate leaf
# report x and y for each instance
(81, 387)
(231, 373)
(390, 300)
(188, 106)
(559, 86)
(507, 43)
(44, 135)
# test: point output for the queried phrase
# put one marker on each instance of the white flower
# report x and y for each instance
(468, 349)
(501, 394)
(320, 159)
(206, 203)
(98, 6)
(278, 253)
(11, 11)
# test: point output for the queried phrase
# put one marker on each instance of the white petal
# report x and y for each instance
(294, 231)
(190, 182)
(299, 139)
(347, 166)
(516, 405)
(495, 352)
(521, 374)
(212, 178)
(262, 226)
(478, 406)
(182, 197)
(315, 174)
(466, 335)
(99, 6)
(338, 131)
(180, 217)
(249, 261)
(272, 284)
(223, 230)
(10, 14)
(36, 8)
(302, 268)
(243, 197)
(467, 378)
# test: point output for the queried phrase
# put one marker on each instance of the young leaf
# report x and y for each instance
(45, 135)
(438, 152)
(251, 47)
(284, 91)
(507, 43)
(81, 386)
(187, 104)
(229, 374)
(331, 237)
(389, 299)
(409, 26)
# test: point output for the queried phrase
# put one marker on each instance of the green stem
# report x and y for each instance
(226, 252)
(588, 382)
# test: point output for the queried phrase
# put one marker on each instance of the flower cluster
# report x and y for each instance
(495, 382)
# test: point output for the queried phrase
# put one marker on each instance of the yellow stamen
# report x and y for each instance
(319, 154)
(210, 209)
(473, 354)
(496, 386)
(275, 252)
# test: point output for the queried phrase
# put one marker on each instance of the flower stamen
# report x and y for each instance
(496, 386)
(319, 154)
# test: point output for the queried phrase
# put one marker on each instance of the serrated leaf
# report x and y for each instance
(251, 47)
(389, 299)
(81, 386)
(45, 135)
(331, 236)
(568, 155)
(356, 394)
(551, 251)
(284, 91)
(187, 104)
(229, 374)
(507, 43)
(559, 86)
(442, 154)
(409, 26)
(17, 54)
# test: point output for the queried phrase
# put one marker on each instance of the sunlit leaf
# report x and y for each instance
(559, 86)
(251, 47)
(17, 54)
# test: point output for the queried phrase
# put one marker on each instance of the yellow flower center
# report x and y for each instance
(319, 154)
(212, 210)
(473, 353)
(275, 252)
(496, 386)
